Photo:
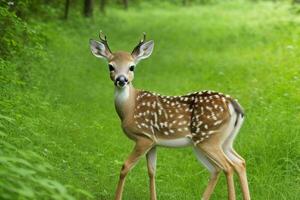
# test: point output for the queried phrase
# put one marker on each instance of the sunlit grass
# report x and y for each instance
(250, 51)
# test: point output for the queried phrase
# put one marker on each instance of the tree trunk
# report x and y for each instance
(102, 5)
(185, 2)
(125, 2)
(67, 4)
(88, 8)
(296, 1)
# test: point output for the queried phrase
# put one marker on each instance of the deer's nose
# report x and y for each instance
(121, 81)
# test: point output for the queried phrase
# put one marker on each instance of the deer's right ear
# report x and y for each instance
(99, 49)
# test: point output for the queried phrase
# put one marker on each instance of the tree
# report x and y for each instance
(102, 5)
(88, 8)
(185, 2)
(67, 4)
(125, 2)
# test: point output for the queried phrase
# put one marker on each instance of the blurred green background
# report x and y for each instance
(60, 137)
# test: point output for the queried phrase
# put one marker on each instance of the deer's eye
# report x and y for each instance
(111, 68)
(131, 68)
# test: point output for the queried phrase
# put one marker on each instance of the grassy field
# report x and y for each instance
(250, 51)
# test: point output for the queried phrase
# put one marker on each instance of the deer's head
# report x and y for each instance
(121, 64)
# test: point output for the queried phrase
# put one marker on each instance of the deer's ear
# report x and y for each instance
(143, 51)
(99, 49)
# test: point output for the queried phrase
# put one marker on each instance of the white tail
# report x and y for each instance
(208, 121)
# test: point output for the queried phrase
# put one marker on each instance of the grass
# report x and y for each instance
(250, 51)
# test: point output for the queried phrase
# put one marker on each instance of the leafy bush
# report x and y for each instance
(24, 173)
(12, 36)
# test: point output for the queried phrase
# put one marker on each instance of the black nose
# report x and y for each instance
(121, 81)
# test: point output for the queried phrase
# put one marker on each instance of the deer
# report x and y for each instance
(207, 121)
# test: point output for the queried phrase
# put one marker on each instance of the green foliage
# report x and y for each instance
(59, 134)
(27, 9)
(11, 37)
(18, 37)
(23, 175)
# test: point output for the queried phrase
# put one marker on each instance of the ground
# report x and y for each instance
(250, 51)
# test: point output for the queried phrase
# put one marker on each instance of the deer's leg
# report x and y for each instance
(239, 165)
(214, 171)
(238, 162)
(141, 147)
(151, 164)
(216, 154)
(211, 184)
(236, 154)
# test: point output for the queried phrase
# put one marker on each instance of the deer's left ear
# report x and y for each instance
(142, 50)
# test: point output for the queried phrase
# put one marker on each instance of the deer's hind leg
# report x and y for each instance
(214, 173)
(239, 163)
(217, 156)
(239, 166)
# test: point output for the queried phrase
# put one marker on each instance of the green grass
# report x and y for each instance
(250, 51)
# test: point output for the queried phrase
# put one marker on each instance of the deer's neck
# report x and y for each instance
(125, 101)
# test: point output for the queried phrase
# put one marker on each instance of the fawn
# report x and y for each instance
(208, 121)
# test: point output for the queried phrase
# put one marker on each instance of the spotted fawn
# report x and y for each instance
(208, 121)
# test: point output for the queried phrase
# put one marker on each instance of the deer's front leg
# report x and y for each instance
(141, 147)
(151, 164)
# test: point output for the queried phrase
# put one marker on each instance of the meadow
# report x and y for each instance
(59, 128)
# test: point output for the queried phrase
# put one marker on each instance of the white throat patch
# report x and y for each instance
(121, 94)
